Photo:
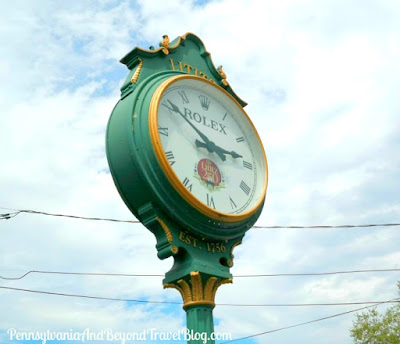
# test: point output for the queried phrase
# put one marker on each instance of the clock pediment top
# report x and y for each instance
(165, 48)
(186, 54)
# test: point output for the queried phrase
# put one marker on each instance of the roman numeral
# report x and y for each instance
(240, 139)
(233, 205)
(247, 165)
(163, 131)
(210, 201)
(186, 183)
(170, 157)
(184, 97)
(245, 187)
(223, 118)
(164, 103)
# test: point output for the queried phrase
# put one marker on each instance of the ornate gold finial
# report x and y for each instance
(165, 44)
(194, 293)
(135, 75)
(223, 76)
(165, 41)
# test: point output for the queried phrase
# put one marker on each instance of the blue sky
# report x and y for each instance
(321, 79)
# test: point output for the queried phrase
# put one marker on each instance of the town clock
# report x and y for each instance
(189, 164)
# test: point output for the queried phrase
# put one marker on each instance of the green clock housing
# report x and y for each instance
(183, 145)
(185, 157)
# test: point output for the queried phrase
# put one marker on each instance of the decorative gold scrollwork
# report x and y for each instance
(166, 229)
(230, 261)
(135, 75)
(223, 76)
(165, 44)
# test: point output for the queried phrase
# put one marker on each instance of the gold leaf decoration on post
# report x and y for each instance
(135, 75)
(192, 291)
(185, 290)
(209, 288)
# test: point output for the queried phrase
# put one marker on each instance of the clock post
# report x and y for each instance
(189, 164)
(201, 266)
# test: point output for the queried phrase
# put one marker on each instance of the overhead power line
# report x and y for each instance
(9, 215)
(320, 273)
(219, 304)
(79, 273)
(334, 226)
(87, 296)
(304, 304)
(162, 275)
(17, 212)
(311, 321)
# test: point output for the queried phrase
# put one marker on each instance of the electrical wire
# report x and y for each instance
(8, 216)
(304, 304)
(334, 226)
(311, 321)
(258, 227)
(318, 273)
(69, 216)
(88, 296)
(180, 303)
(162, 275)
(79, 273)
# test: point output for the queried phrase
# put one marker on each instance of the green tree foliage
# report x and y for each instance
(375, 328)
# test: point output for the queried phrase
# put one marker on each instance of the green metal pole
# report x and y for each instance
(200, 324)
(198, 292)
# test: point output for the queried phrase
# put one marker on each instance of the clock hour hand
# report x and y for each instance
(233, 153)
(211, 147)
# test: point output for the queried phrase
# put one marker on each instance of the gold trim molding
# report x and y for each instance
(223, 76)
(230, 261)
(135, 75)
(166, 229)
(168, 170)
(195, 292)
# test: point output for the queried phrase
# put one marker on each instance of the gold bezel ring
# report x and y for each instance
(170, 173)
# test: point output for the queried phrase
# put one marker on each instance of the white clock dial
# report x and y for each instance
(211, 146)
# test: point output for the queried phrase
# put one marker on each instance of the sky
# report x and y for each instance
(322, 82)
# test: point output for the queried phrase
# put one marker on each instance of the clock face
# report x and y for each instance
(208, 148)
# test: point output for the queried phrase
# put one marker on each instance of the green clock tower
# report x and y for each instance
(189, 164)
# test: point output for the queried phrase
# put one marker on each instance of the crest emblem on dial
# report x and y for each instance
(209, 175)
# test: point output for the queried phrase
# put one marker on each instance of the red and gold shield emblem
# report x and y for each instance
(209, 174)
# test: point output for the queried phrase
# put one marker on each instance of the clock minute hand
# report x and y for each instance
(176, 109)
(209, 145)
